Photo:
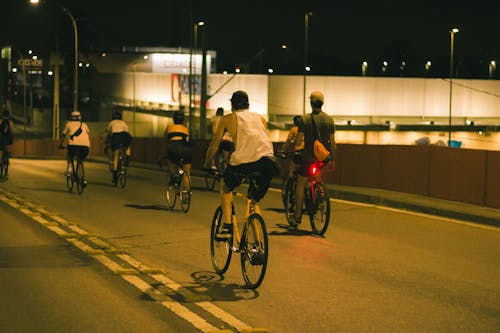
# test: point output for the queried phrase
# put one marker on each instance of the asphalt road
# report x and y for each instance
(376, 270)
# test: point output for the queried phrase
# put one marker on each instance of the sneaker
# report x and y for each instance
(84, 184)
(115, 177)
(67, 173)
(226, 232)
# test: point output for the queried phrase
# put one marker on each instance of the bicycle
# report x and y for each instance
(76, 175)
(252, 244)
(4, 165)
(316, 200)
(121, 168)
(214, 174)
(178, 185)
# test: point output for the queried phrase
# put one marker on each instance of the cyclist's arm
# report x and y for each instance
(214, 143)
(333, 149)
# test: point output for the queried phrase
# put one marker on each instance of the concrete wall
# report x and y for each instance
(465, 175)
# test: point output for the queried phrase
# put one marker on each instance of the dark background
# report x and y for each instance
(342, 34)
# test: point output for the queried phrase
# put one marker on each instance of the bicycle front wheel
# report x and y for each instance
(254, 251)
(80, 177)
(185, 193)
(319, 212)
(170, 190)
(220, 249)
(289, 201)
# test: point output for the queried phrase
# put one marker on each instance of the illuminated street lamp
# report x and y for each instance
(306, 47)
(492, 69)
(75, 29)
(452, 46)
(364, 68)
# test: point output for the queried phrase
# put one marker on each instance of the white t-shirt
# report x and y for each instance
(71, 127)
(116, 126)
(252, 139)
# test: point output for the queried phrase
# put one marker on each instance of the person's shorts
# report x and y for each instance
(120, 139)
(226, 145)
(79, 151)
(179, 150)
(262, 171)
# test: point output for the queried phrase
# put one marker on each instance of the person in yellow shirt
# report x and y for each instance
(178, 146)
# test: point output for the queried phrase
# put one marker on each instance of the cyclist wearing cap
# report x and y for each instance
(253, 151)
(77, 132)
(306, 136)
(178, 146)
(117, 135)
(6, 132)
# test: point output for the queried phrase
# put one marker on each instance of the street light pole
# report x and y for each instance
(452, 46)
(75, 30)
(306, 41)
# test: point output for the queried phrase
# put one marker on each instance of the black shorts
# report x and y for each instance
(262, 171)
(179, 150)
(79, 151)
(120, 139)
(226, 145)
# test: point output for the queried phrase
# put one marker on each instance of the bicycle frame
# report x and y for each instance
(252, 207)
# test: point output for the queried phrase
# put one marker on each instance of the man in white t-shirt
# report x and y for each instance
(117, 135)
(253, 151)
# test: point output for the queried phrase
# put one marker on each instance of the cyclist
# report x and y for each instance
(178, 146)
(117, 135)
(6, 133)
(79, 140)
(306, 136)
(289, 145)
(253, 151)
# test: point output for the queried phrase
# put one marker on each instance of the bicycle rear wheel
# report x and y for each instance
(122, 170)
(170, 190)
(254, 251)
(185, 192)
(289, 201)
(319, 212)
(220, 249)
(80, 177)
(4, 166)
(70, 180)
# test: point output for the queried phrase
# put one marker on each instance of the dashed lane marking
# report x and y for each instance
(130, 269)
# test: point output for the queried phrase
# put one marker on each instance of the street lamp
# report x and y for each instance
(364, 68)
(306, 47)
(75, 30)
(492, 69)
(452, 46)
(192, 70)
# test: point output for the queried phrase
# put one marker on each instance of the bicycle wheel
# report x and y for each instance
(290, 201)
(220, 249)
(70, 181)
(185, 192)
(122, 171)
(319, 212)
(170, 190)
(283, 191)
(4, 166)
(80, 177)
(254, 251)
(210, 179)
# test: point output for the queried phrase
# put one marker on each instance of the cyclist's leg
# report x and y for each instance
(299, 196)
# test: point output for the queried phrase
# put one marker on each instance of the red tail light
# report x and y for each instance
(314, 168)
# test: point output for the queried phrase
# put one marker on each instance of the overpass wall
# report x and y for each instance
(465, 175)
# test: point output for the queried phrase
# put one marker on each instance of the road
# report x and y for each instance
(149, 270)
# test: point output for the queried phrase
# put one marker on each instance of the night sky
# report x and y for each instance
(342, 33)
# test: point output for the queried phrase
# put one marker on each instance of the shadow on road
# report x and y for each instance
(289, 231)
(147, 207)
(217, 290)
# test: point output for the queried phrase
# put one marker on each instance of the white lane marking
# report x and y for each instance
(223, 315)
(135, 263)
(172, 305)
(402, 211)
(128, 274)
